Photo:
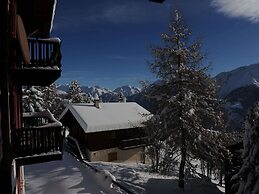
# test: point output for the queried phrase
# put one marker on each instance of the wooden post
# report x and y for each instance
(7, 63)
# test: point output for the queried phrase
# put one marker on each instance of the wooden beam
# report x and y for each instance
(7, 11)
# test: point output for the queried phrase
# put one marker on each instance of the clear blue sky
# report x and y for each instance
(106, 42)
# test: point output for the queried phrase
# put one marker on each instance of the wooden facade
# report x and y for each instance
(123, 139)
(37, 18)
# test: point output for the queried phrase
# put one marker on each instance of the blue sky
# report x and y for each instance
(106, 42)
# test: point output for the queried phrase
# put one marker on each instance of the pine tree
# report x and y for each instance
(249, 172)
(32, 100)
(186, 95)
(75, 92)
(49, 95)
(52, 101)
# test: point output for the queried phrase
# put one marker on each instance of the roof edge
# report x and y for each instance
(76, 115)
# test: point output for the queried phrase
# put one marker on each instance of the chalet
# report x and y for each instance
(108, 131)
(28, 56)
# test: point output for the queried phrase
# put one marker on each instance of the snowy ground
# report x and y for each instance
(136, 178)
(67, 176)
(70, 176)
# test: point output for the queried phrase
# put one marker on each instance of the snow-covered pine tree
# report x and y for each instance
(32, 100)
(249, 173)
(49, 95)
(186, 96)
(52, 101)
(75, 92)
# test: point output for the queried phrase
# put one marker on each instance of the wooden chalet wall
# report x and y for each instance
(75, 129)
(99, 140)
(110, 139)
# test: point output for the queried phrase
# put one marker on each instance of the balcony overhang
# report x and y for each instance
(36, 76)
(37, 16)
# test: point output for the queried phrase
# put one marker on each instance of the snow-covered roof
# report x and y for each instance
(110, 116)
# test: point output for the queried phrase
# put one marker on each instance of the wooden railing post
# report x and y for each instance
(44, 52)
(30, 141)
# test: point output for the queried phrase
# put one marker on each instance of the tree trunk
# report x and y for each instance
(157, 159)
(182, 166)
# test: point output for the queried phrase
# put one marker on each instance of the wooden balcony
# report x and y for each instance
(45, 63)
(132, 143)
(33, 145)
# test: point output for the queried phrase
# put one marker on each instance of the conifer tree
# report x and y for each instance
(75, 92)
(188, 107)
(52, 101)
(49, 95)
(249, 173)
(32, 100)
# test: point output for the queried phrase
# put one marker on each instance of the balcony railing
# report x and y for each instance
(132, 143)
(45, 63)
(37, 141)
(45, 53)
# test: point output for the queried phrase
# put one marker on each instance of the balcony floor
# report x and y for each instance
(65, 176)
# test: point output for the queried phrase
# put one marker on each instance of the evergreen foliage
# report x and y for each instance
(75, 92)
(249, 173)
(32, 100)
(52, 101)
(186, 96)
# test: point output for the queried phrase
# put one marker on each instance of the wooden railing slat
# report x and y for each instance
(30, 141)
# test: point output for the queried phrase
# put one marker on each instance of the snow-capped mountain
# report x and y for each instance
(63, 87)
(242, 76)
(107, 95)
(127, 90)
(240, 90)
(238, 102)
(93, 90)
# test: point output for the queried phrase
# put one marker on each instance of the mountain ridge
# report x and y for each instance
(236, 78)
(106, 94)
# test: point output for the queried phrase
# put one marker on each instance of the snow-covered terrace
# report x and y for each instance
(67, 176)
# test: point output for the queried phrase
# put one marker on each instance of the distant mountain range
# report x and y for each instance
(239, 88)
(240, 77)
(107, 95)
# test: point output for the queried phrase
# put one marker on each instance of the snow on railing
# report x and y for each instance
(31, 141)
(77, 147)
(107, 176)
(44, 53)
